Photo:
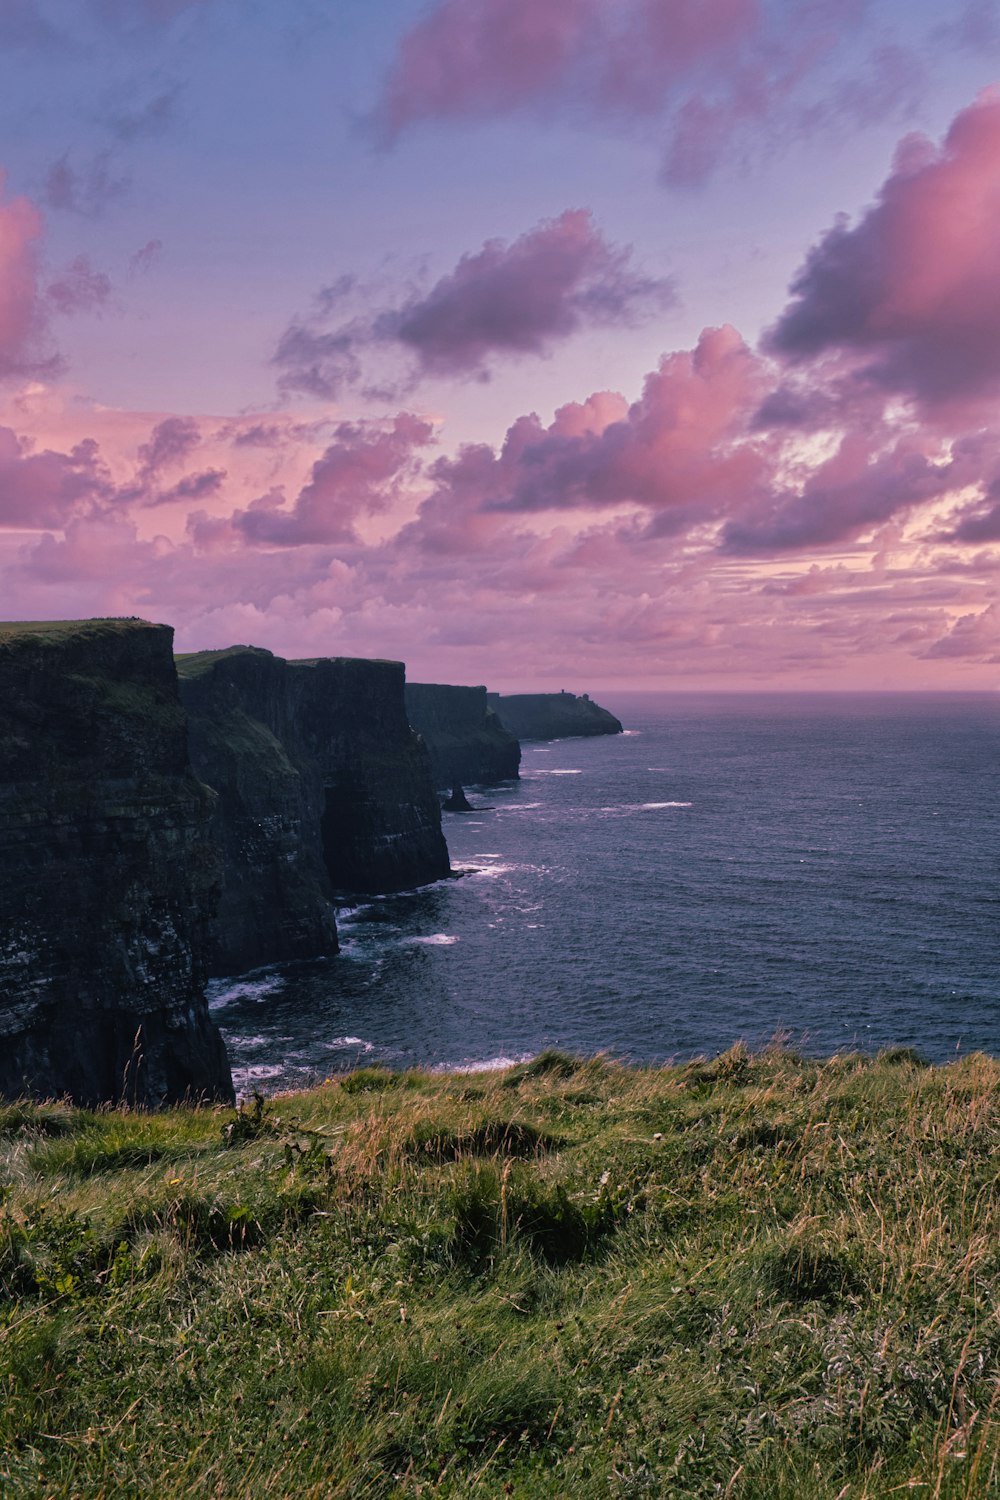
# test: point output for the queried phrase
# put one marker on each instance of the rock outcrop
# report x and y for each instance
(552, 716)
(465, 738)
(107, 876)
(323, 788)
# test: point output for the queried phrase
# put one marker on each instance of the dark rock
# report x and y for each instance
(276, 901)
(465, 738)
(107, 877)
(381, 818)
(552, 716)
(322, 786)
(457, 801)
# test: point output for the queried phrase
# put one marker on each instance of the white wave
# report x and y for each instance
(520, 807)
(340, 1042)
(624, 808)
(222, 992)
(256, 1072)
(486, 1065)
(558, 773)
(436, 940)
(630, 734)
(482, 854)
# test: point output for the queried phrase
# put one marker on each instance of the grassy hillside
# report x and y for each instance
(755, 1277)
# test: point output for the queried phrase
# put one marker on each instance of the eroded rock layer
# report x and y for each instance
(468, 744)
(107, 877)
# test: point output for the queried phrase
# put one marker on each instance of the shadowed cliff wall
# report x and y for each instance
(381, 817)
(322, 786)
(107, 879)
(276, 901)
(466, 741)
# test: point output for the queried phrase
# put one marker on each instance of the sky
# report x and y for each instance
(541, 343)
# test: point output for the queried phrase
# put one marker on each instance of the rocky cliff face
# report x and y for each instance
(276, 901)
(552, 716)
(107, 878)
(381, 818)
(322, 787)
(467, 743)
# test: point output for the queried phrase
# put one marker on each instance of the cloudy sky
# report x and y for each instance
(548, 343)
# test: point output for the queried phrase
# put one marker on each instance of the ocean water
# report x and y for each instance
(823, 867)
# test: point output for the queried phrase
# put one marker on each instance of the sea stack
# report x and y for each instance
(457, 801)
(107, 876)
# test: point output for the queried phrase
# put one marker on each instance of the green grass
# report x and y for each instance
(756, 1277)
(52, 632)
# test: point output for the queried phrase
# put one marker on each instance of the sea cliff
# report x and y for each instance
(107, 876)
(467, 743)
(323, 787)
(276, 901)
(552, 716)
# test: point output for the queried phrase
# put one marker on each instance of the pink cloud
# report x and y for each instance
(471, 58)
(707, 74)
(913, 289)
(973, 636)
(21, 320)
(46, 489)
(681, 451)
(850, 493)
(360, 473)
(504, 300)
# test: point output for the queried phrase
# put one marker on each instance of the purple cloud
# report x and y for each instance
(507, 299)
(79, 289)
(913, 289)
(170, 442)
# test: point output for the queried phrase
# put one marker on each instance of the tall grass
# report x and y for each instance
(753, 1276)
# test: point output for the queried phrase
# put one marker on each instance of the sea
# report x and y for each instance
(821, 869)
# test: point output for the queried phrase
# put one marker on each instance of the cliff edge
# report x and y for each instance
(107, 878)
(467, 743)
(552, 716)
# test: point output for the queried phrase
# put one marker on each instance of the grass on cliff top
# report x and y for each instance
(52, 632)
(756, 1277)
(195, 663)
